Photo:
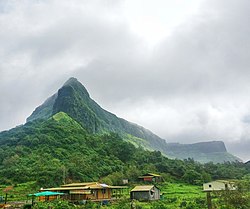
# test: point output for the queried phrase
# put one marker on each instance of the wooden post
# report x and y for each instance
(209, 200)
(32, 200)
(5, 201)
(6, 190)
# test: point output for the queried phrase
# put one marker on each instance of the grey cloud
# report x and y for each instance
(45, 42)
(191, 87)
(240, 148)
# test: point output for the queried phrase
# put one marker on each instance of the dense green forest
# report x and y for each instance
(59, 150)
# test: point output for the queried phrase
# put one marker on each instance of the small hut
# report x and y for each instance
(151, 177)
(145, 193)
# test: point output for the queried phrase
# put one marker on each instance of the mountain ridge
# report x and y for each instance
(73, 99)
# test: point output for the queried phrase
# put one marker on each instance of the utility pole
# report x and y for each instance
(64, 174)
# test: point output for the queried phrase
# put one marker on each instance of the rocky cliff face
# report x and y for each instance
(204, 147)
(73, 99)
(214, 151)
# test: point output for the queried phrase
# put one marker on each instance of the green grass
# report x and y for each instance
(137, 142)
(181, 190)
(19, 191)
(176, 194)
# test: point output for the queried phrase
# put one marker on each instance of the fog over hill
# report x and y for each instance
(179, 69)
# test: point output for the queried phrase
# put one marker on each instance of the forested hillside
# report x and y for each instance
(59, 149)
(74, 99)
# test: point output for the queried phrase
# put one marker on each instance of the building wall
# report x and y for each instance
(99, 194)
(153, 194)
(140, 195)
(217, 186)
(48, 198)
(76, 197)
(148, 179)
(156, 193)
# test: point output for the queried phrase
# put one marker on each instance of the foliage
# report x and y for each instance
(73, 99)
(59, 150)
(19, 191)
(239, 198)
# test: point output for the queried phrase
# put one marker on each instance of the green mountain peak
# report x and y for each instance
(76, 85)
(73, 100)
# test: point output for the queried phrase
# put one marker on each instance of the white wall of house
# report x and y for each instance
(218, 185)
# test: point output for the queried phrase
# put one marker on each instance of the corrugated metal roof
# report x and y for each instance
(149, 175)
(118, 187)
(64, 188)
(222, 181)
(153, 174)
(78, 184)
(83, 186)
(226, 181)
(104, 185)
(142, 188)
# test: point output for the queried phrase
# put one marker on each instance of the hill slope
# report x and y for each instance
(73, 99)
(58, 149)
(45, 149)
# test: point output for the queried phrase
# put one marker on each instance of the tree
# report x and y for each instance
(239, 198)
(191, 176)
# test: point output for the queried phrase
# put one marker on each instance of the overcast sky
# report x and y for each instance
(179, 68)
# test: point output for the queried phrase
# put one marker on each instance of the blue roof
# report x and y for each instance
(46, 193)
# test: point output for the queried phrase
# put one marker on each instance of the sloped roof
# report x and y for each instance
(64, 188)
(78, 184)
(150, 175)
(46, 193)
(143, 188)
(222, 181)
(83, 186)
(153, 174)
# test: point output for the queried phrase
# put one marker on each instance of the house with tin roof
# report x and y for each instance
(151, 177)
(94, 191)
(145, 193)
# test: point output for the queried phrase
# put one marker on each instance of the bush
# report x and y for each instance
(57, 204)
(27, 206)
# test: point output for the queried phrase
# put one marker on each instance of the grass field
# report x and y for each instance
(19, 191)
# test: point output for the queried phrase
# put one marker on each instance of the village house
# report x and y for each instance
(218, 185)
(94, 191)
(151, 177)
(145, 193)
